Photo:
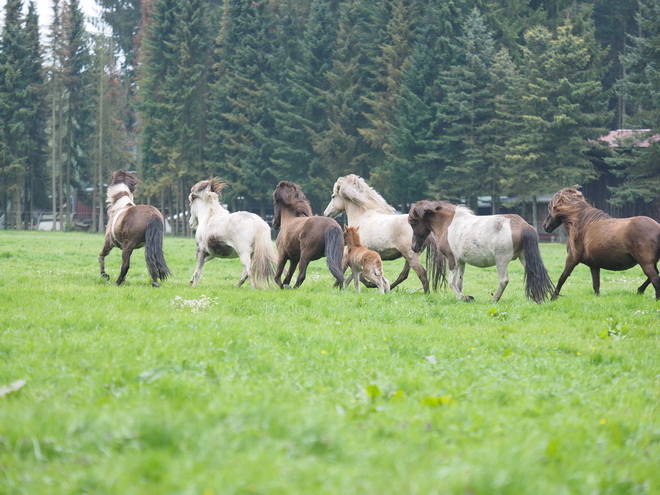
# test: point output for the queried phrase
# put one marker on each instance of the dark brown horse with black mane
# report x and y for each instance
(599, 241)
(304, 237)
(132, 226)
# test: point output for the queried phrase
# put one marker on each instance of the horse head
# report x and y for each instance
(351, 236)
(419, 221)
(203, 194)
(564, 202)
(336, 206)
(289, 195)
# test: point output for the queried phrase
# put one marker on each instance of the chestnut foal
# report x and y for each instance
(363, 262)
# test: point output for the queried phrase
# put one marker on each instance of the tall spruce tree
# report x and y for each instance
(564, 108)
(173, 89)
(77, 109)
(467, 108)
(20, 107)
(341, 148)
(241, 120)
(640, 169)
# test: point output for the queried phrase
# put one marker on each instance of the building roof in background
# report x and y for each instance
(630, 138)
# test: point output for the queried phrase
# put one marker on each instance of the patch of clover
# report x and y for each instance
(194, 305)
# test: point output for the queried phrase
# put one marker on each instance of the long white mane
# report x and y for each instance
(463, 210)
(354, 189)
(119, 196)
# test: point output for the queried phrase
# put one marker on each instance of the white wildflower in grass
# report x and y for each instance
(195, 305)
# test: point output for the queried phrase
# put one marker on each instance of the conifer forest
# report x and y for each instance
(450, 99)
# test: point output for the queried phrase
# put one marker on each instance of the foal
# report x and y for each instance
(362, 261)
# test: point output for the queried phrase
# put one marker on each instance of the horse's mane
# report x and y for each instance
(290, 195)
(569, 203)
(120, 191)
(353, 188)
(123, 177)
(421, 208)
(214, 185)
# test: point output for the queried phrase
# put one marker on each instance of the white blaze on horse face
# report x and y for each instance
(479, 241)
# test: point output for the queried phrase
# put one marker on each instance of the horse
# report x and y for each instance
(599, 241)
(304, 237)
(132, 226)
(481, 241)
(382, 229)
(362, 262)
(221, 234)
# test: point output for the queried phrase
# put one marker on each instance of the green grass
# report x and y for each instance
(218, 390)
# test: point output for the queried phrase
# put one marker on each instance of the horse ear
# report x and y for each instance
(419, 210)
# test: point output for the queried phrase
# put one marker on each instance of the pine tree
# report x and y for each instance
(467, 108)
(173, 89)
(36, 184)
(16, 90)
(77, 110)
(639, 168)
(341, 148)
(241, 119)
(564, 109)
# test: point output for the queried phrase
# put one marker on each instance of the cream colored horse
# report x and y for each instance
(221, 234)
(381, 228)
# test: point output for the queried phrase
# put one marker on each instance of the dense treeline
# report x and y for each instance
(424, 98)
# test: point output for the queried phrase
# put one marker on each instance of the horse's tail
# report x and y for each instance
(436, 263)
(263, 255)
(153, 249)
(334, 251)
(538, 285)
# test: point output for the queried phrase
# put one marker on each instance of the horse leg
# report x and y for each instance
(126, 252)
(651, 272)
(247, 272)
(302, 272)
(281, 263)
(503, 274)
(348, 280)
(201, 259)
(107, 247)
(356, 281)
(289, 274)
(568, 269)
(595, 279)
(413, 260)
(456, 281)
(402, 276)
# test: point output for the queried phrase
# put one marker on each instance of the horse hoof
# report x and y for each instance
(468, 298)
(105, 276)
(155, 284)
(286, 286)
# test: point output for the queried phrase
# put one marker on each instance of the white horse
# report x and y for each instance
(221, 234)
(490, 240)
(381, 228)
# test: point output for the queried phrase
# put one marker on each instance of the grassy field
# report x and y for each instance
(218, 390)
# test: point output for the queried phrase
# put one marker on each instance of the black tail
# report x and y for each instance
(436, 263)
(334, 252)
(538, 285)
(153, 249)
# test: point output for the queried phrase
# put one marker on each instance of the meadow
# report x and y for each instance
(219, 390)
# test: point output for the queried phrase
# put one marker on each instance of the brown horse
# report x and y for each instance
(481, 241)
(303, 237)
(131, 227)
(363, 262)
(599, 241)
